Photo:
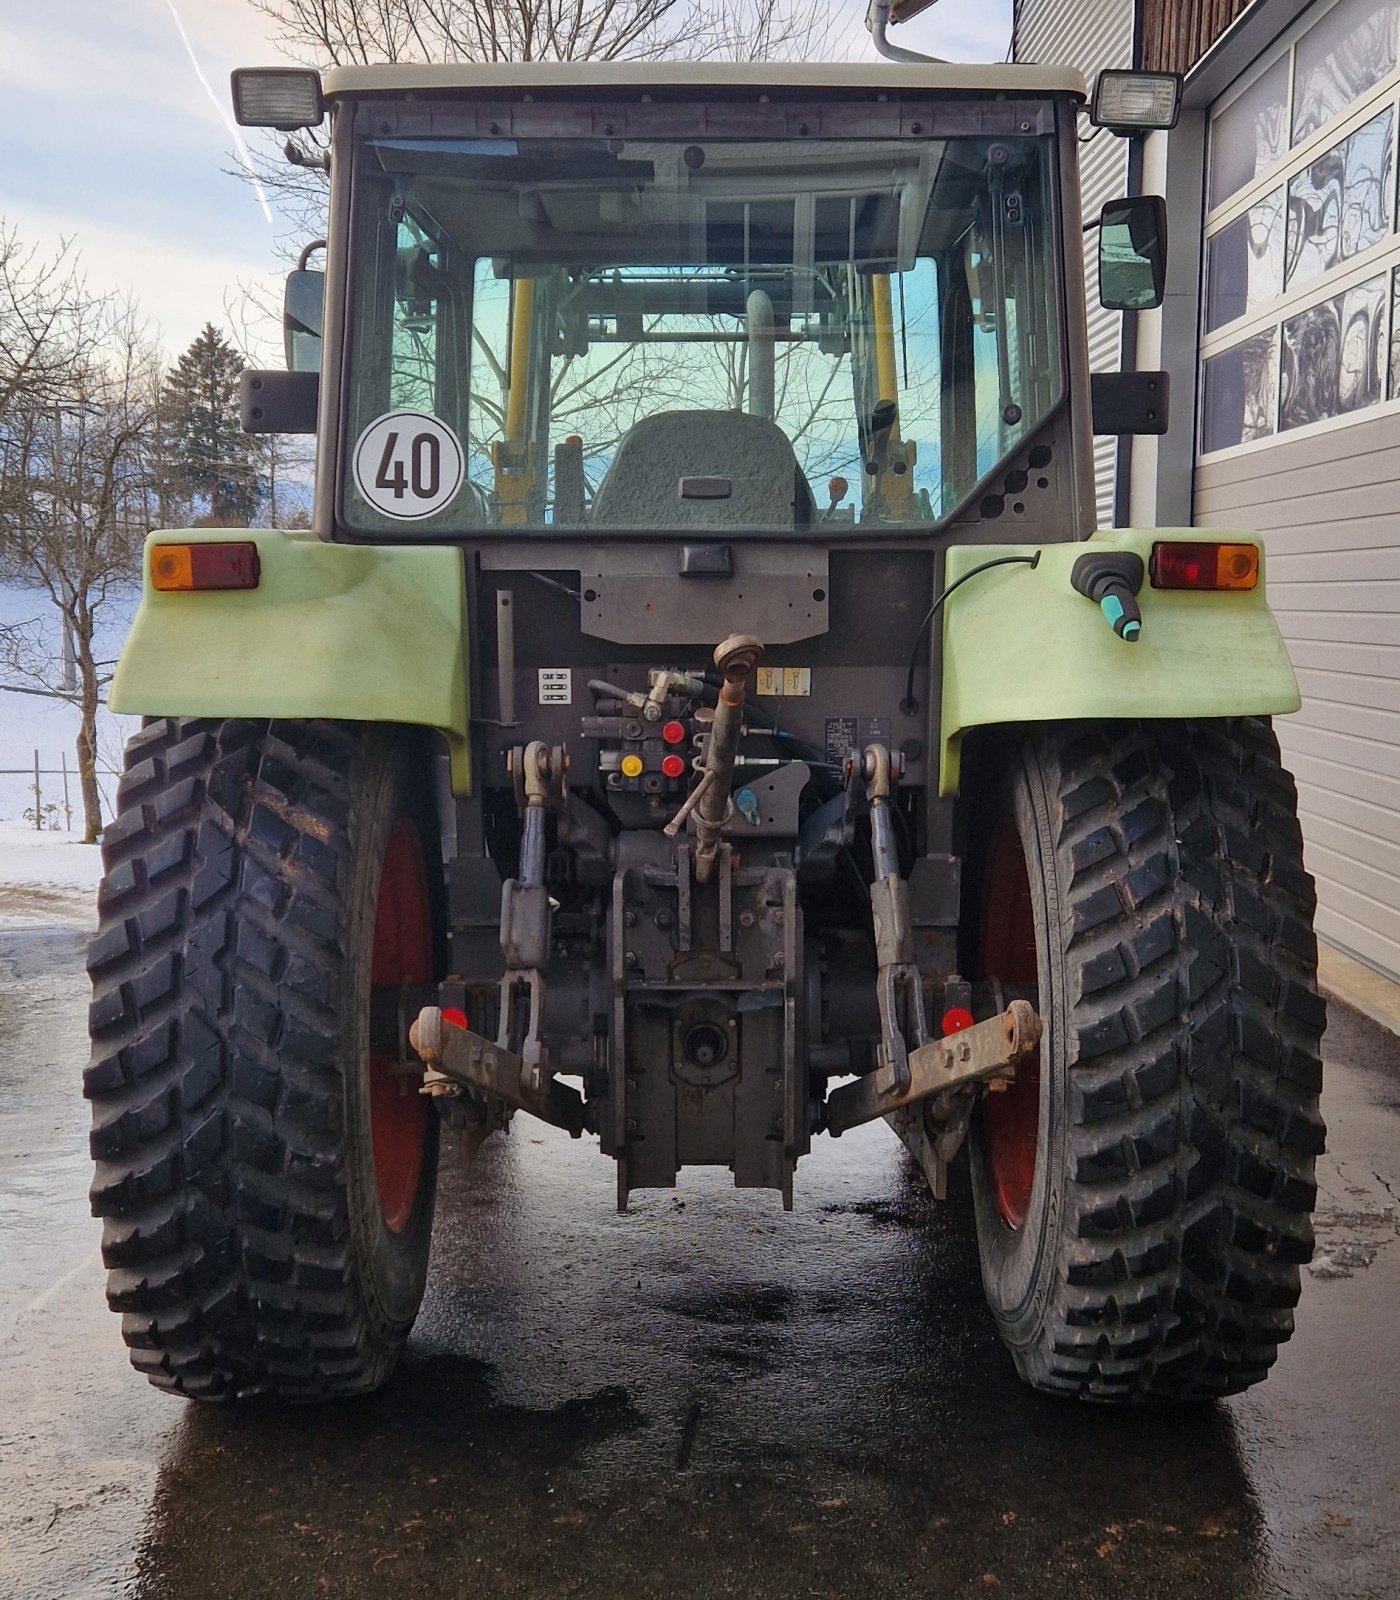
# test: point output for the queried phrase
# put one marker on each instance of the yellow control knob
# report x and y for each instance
(632, 766)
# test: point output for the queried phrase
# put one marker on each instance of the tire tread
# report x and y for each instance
(216, 1107)
(1194, 1063)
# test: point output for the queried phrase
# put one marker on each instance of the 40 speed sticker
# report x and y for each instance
(408, 464)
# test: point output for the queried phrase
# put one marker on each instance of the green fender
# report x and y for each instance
(362, 633)
(1020, 645)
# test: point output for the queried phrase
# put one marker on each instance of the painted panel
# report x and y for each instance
(1348, 50)
(1240, 397)
(1249, 135)
(1331, 356)
(1394, 388)
(1340, 204)
(1244, 262)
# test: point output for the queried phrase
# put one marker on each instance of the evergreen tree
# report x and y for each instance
(205, 452)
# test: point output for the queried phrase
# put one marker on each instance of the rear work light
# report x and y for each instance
(176, 567)
(1204, 566)
(1136, 102)
(285, 98)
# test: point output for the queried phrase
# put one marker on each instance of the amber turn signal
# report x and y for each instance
(204, 566)
(1204, 566)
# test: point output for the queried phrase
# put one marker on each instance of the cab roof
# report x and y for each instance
(827, 78)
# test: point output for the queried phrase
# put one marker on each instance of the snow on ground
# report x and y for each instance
(47, 860)
(31, 722)
(47, 877)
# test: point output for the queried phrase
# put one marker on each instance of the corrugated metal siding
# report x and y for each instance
(1090, 35)
(1326, 506)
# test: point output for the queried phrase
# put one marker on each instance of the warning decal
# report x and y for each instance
(785, 682)
(556, 686)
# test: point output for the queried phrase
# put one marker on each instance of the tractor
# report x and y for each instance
(705, 715)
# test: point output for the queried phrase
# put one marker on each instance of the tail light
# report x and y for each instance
(1204, 565)
(176, 567)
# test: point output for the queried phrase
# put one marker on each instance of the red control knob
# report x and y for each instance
(674, 733)
(673, 766)
(955, 1019)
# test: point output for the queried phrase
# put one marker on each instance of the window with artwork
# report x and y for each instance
(1302, 255)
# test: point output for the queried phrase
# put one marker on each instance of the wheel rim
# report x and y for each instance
(1011, 1118)
(403, 953)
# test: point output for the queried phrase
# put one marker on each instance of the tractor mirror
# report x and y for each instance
(301, 320)
(1133, 253)
(899, 11)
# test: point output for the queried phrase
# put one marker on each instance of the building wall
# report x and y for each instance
(1090, 37)
(1175, 34)
(1326, 507)
(1298, 417)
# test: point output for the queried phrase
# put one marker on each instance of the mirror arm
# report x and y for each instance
(878, 21)
(295, 156)
(307, 250)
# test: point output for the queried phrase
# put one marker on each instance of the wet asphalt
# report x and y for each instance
(703, 1398)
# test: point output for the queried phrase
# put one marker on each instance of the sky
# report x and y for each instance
(112, 141)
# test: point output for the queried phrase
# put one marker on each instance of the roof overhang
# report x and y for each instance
(826, 78)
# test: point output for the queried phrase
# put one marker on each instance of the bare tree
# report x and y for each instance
(364, 32)
(287, 461)
(38, 297)
(78, 501)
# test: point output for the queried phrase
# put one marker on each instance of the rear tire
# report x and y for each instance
(1149, 1244)
(267, 1195)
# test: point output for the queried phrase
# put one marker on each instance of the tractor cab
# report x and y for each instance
(757, 307)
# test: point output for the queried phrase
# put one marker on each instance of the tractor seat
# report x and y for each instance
(673, 470)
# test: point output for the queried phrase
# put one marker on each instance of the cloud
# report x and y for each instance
(178, 289)
(110, 139)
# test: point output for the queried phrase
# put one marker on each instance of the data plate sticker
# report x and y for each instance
(783, 682)
(408, 465)
(848, 736)
(556, 686)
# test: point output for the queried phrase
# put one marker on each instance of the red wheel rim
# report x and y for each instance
(1011, 1118)
(403, 953)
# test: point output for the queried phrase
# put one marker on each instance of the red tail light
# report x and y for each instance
(177, 567)
(1204, 565)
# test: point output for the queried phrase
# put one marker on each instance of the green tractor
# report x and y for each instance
(704, 715)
